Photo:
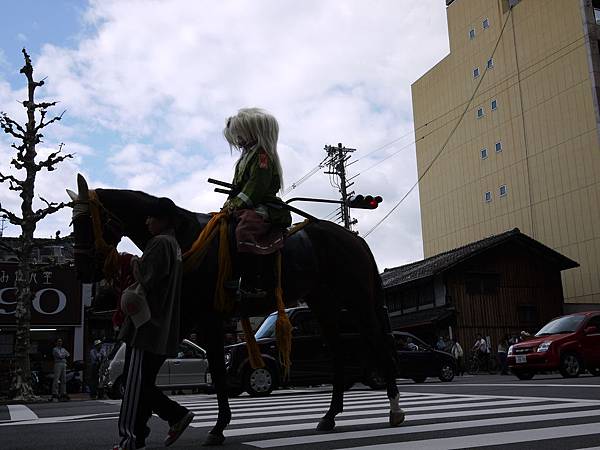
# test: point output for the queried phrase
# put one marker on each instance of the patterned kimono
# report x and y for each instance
(260, 228)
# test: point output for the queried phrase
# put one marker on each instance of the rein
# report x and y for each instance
(109, 252)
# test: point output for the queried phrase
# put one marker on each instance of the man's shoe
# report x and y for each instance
(178, 428)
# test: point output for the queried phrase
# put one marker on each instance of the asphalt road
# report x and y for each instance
(498, 412)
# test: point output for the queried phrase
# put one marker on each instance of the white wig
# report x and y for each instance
(257, 129)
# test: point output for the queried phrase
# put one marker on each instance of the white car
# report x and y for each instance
(188, 370)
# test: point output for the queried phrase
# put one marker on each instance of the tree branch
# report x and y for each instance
(53, 159)
(45, 124)
(50, 209)
(8, 125)
(15, 184)
(12, 218)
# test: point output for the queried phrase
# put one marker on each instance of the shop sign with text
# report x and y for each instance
(57, 298)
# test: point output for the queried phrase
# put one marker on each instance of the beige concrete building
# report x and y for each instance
(510, 120)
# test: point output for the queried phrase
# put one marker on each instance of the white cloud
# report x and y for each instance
(163, 76)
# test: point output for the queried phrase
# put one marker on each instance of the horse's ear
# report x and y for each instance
(82, 188)
(74, 197)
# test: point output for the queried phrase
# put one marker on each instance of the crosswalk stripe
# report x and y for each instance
(287, 418)
(489, 439)
(321, 403)
(252, 417)
(305, 398)
(383, 432)
(380, 420)
(21, 412)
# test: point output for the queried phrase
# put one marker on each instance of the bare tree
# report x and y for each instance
(27, 136)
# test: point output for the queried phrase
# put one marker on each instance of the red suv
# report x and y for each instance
(569, 344)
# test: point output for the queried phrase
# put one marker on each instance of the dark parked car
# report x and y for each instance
(311, 360)
(418, 360)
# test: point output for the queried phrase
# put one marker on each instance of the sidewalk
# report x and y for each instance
(45, 398)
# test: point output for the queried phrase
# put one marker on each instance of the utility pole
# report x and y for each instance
(2, 224)
(336, 164)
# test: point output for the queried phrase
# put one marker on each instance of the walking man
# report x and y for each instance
(60, 355)
(151, 331)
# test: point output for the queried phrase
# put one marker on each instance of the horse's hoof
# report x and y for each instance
(326, 425)
(213, 439)
(396, 418)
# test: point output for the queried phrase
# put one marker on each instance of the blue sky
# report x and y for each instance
(33, 23)
(147, 87)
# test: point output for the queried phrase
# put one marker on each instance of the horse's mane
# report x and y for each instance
(132, 207)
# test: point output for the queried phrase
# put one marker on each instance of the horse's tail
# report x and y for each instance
(381, 311)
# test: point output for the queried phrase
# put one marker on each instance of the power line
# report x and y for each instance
(316, 169)
(482, 92)
(449, 136)
(511, 75)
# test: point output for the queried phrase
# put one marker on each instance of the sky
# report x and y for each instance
(147, 85)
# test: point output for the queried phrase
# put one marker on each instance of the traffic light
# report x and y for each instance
(364, 202)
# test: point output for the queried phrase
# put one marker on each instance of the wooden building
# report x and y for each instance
(499, 285)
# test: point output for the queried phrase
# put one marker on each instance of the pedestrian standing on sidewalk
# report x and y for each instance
(60, 355)
(151, 331)
(502, 355)
(458, 353)
(96, 357)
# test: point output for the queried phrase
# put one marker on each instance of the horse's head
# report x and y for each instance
(97, 233)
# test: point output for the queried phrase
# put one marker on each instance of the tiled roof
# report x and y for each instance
(443, 261)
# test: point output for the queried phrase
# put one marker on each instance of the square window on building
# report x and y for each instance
(527, 313)
(475, 72)
(486, 23)
(472, 33)
(480, 112)
(487, 197)
(502, 191)
(484, 153)
(490, 63)
(498, 147)
(482, 283)
(494, 105)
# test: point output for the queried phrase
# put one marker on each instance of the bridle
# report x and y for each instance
(101, 248)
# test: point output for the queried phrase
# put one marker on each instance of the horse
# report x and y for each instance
(324, 264)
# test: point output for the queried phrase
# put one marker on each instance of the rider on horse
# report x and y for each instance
(258, 177)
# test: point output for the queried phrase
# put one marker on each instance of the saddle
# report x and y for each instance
(297, 254)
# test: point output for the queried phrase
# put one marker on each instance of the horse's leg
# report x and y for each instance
(216, 365)
(328, 316)
(373, 324)
(383, 347)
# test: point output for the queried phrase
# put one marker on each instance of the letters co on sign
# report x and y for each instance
(57, 298)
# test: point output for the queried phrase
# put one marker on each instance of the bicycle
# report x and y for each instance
(489, 364)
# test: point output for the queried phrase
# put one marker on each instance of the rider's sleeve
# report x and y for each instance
(252, 193)
(154, 265)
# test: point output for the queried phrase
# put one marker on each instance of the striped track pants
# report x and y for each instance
(131, 400)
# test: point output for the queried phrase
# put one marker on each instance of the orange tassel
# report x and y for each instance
(283, 326)
(194, 256)
(254, 356)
